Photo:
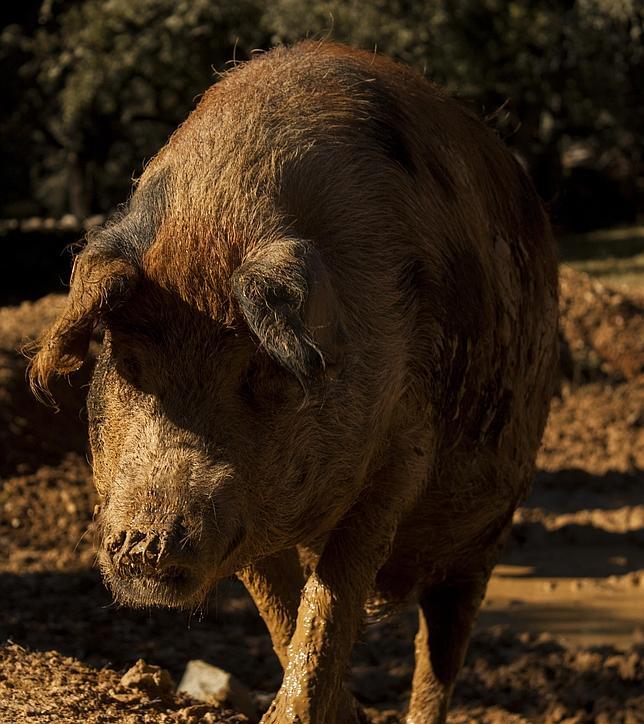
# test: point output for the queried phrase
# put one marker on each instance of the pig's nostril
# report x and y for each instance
(115, 542)
(135, 549)
(135, 552)
(137, 536)
(152, 551)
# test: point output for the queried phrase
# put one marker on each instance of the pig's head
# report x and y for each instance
(204, 415)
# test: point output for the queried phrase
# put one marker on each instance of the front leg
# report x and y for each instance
(275, 584)
(332, 605)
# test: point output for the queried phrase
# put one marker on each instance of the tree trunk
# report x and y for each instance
(80, 186)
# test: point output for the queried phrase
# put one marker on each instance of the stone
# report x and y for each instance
(154, 680)
(208, 683)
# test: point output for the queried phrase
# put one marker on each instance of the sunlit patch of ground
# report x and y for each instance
(615, 256)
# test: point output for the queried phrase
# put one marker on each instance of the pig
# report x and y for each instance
(330, 335)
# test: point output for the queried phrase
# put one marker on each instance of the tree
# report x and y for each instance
(549, 74)
(101, 83)
(108, 80)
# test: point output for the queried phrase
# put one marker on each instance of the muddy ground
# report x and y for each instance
(560, 637)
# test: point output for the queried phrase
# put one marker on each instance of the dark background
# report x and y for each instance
(92, 88)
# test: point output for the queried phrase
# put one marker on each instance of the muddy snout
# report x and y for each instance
(153, 564)
(150, 552)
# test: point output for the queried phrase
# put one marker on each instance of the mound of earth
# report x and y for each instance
(54, 688)
(602, 329)
(30, 435)
(596, 428)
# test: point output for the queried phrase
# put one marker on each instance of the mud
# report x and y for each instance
(561, 634)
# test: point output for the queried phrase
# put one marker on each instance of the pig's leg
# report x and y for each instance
(331, 610)
(446, 615)
(275, 585)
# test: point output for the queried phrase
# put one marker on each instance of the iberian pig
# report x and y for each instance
(329, 313)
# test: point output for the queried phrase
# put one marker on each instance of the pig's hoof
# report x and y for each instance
(284, 712)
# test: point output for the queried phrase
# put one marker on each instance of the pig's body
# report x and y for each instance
(330, 319)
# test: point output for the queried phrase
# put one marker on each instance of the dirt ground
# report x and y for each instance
(560, 637)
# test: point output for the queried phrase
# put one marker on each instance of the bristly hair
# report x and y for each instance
(130, 231)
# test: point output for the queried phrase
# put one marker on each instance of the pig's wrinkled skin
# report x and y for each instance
(330, 329)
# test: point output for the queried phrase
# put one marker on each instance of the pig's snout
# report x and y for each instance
(146, 552)
(154, 563)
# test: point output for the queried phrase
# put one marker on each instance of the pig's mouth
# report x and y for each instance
(174, 587)
(182, 582)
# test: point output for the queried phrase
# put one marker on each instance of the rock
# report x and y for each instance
(211, 684)
(154, 680)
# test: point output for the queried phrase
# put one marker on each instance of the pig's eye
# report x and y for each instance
(129, 367)
(264, 385)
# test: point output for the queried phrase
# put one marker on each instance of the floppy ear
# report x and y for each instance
(97, 283)
(286, 296)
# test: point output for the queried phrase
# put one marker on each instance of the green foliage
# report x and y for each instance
(102, 82)
(552, 73)
(110, 79)
(401, 28)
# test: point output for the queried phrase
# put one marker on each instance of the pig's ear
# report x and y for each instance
(97, 283)
(287, 299)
